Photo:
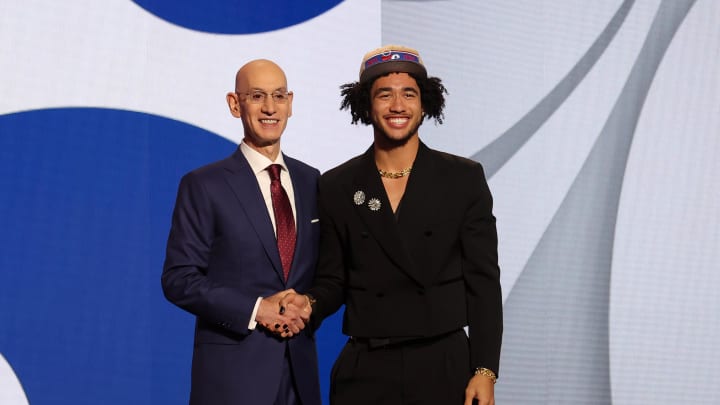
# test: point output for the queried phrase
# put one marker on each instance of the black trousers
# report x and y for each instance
(423, 372)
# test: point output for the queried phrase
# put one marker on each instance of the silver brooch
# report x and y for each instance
(359, 198)
(374, 204)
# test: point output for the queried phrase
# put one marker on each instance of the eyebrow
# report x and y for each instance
(382, 89)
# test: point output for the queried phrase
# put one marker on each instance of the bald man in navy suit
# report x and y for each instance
(224, 266)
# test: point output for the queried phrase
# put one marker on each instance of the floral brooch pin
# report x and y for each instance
(373, 204)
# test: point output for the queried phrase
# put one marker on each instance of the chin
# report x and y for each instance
(394, 140)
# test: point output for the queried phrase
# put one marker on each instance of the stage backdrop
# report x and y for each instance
(598, 123)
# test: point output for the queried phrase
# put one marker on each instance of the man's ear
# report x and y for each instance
(290, 100)
(233, 102)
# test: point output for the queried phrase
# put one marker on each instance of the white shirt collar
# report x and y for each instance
(259, 162)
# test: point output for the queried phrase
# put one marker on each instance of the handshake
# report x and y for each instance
(284, 314)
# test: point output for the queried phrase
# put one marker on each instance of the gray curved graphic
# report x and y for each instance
(494, 155)
(556, 343)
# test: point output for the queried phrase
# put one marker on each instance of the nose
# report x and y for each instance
(397, 103)
(268, 106)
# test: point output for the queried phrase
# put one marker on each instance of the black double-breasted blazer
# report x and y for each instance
(429, 270)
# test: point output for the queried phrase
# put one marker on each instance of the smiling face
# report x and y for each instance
(396, 109)
(263, 122)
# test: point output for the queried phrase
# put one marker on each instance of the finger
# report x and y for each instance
(282, 309)
(285, 300)
(296, 327)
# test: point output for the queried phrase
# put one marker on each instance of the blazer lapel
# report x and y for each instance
(302, 221)
(244, 185)
(421, 201)
(376, 213)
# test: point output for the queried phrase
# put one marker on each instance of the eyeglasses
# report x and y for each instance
(259, 97)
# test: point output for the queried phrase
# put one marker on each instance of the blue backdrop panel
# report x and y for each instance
(236, 17)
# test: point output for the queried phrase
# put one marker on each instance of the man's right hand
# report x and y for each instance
(284, 313)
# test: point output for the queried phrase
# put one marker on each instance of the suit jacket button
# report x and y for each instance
(380, 294)
(421, 292)
(428, 233)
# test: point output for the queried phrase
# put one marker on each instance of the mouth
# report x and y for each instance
(269, 122)
(398, 121)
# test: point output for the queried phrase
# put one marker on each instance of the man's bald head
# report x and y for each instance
(256, 68)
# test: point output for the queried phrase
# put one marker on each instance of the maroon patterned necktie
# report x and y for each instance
(284, 222)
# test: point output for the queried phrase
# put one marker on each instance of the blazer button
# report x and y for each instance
(428, 233)
(380, 294)
(421, 292)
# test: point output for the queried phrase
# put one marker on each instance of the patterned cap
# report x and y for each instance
(391, 59)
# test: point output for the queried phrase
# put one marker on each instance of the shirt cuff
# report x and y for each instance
(253, 322)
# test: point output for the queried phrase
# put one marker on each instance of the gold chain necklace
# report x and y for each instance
(395, 175)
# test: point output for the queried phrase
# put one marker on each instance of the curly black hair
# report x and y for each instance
(356, 97)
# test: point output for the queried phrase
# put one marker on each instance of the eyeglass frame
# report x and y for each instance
(288, 94)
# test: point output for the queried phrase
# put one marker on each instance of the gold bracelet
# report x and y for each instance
(487, 373)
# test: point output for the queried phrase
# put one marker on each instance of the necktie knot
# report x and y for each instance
(274, 171)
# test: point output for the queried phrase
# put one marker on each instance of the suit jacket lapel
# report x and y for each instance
(244, 184)
(381, 221)
(302, 221)
(422, 199)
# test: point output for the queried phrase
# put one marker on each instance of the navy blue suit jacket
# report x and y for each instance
(221, 256)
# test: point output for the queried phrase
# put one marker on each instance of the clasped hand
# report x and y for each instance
(285, 314)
